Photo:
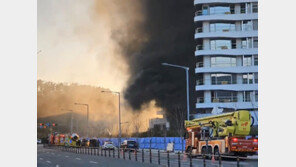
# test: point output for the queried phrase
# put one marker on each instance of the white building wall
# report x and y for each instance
(239, 69)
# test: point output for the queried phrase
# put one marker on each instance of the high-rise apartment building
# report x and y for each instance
(226, 55)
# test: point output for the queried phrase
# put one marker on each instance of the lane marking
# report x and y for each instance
(67, 156)
(48, 162)
(93, 162)
(57, 165)
(78, 158)
(41, 158)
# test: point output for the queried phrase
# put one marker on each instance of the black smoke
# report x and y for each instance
(169, 28)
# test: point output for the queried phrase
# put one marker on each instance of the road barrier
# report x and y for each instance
(155, 156)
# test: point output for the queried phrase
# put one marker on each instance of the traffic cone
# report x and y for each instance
(213, 158)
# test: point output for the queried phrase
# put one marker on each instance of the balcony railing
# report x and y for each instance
(218, 100)
(233, 46)
(224, 99)
(211, 82)
(201, 13)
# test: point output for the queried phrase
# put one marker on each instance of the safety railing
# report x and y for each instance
(206, 13)
(214, 82)
(233, 46)
(159, 157)
(225, 99)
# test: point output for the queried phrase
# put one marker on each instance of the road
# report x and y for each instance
(60, 158)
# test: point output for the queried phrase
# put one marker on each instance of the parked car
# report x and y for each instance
(129, 145)
(94, 143)
(108, 145)
(39, 141)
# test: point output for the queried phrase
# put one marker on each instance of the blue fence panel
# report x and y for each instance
(156, 142)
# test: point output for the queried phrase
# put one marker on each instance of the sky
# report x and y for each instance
(76, 46)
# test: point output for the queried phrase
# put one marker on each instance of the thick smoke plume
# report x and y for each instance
(152, 32)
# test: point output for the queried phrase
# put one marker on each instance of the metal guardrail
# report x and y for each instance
(146, 156)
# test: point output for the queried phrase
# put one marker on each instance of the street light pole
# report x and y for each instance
(187, 83)
(119, 115)
(87, 116)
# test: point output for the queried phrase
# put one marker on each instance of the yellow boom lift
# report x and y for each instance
(221, 134)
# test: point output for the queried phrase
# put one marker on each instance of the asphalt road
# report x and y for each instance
(57, 158)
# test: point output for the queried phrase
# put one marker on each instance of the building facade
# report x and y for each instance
(226, 55)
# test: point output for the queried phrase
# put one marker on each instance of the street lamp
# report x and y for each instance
(87, 107)
(119, 114)
(187, 82)
(71, 124)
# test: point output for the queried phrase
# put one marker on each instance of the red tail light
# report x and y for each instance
(234, 139)
(255, 140)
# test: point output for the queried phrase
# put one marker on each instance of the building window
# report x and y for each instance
(246, 43)
(255, 24)
(221, 9)
(247, 25)
(247, 96)
(243, 8)
(222, 79)
(205, 10)
(256, 60)
(255, 7)
(256, 77)
(224, 96)
(247, 60)
(223, 62)
(256, 96)
(248, 78)
(222, 27)
(255, 42)
(220, 44)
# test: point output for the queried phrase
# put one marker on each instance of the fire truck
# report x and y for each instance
(223, 134)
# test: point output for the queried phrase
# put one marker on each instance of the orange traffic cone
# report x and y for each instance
(213, 158)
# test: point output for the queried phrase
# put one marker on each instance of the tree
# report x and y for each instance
(178, 116)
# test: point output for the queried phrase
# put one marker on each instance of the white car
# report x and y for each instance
(108, 145)
(39, 141)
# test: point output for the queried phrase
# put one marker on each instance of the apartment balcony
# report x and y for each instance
(234, 69)
(225, 51)
(225, 17)
(225, 34)
(197, 2)
(226, 86)
(234, 105)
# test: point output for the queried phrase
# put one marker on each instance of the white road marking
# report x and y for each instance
(78, 158)
(48, 162)
(41, 158)
(93, 162)
(57, 165)
(66, 156)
